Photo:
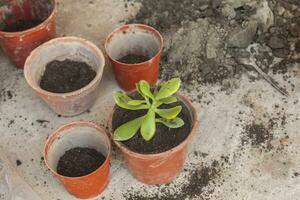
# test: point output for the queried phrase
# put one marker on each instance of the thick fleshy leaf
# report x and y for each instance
(144, 88)
(168, 100)
(136, 102)
(170, 113)
(122, 100)
(148, 127)
(128, 130)
(171, 123)
(168, 88)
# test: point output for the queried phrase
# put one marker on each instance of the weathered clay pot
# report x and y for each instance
(80, 134)
(18, 45)
(73, 48)
(137, 39)
(160, 168)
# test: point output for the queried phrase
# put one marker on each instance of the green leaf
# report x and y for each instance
(122, 101)
(148, 127)
(144, 88)
(168, 88)
(128, 130)
(136, 102)
(171, 123)
(168, 100)
(170, 113)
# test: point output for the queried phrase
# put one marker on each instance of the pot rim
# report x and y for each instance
(35, 28)
(82, 41)
(195, 125)
(61, 130)
(127, 26)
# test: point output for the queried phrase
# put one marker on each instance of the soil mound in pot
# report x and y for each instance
(133, 59)
(78, 162)
(165, 138)
(21, 25)
(66, 76)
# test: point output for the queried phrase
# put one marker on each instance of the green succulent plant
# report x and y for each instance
(151, 101)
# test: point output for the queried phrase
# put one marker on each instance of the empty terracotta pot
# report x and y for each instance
(80, 134)
(134, 39)
(73, 48)
(18, 45)
(160, 168)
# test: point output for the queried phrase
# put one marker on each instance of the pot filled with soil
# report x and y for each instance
(152, 127)
(24, 25)
(78, 154)
(66, 73)
(134, 51)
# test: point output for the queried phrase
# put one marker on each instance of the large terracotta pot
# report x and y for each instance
(18, 45)
(137, 39)
(80, 134)
(160, 168)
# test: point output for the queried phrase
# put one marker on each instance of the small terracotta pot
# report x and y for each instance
(137, 39)
(160, 168)
(73, 48)
(80, 134)
(18, 45)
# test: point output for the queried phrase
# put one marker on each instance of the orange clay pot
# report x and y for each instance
(160, 168)
(137, 39)
(73, 48)
(80, 134)
(18, 45)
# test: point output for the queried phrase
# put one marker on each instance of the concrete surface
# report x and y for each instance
(250, 172)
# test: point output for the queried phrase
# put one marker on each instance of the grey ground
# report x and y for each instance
(237, 165)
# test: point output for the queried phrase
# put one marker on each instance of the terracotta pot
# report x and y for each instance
(160, 168)
(73, 48)
(80, 134)
(18, 45)
(136, 39)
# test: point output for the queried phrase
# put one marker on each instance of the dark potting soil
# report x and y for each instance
(79, 161)
(66, 76)
(21, 25)
(164, 139)
(133, 59)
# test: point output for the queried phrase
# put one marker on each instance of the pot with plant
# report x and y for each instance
(152, 128)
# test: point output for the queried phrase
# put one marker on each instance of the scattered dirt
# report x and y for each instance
(66, 76)
(258, 135)
(166, 14)
(78, 162)
(133, 59)
(164, 139)
(201, 183)
(6, 95)
(21, 25)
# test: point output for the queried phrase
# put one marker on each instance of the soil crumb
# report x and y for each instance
(133, 59)
(18, 162)
(79, 161)
(21, 25)
(66, 76)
